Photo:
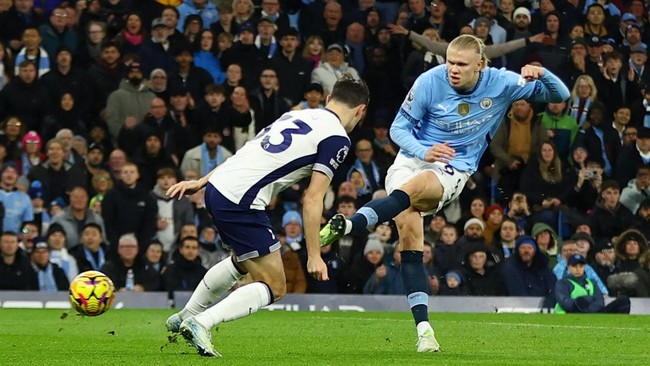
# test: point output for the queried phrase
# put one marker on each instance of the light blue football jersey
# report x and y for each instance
(434, 113)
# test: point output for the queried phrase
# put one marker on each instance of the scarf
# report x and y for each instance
(646, 118)
(45, 278)
(61, 259)
(575, 111)
(209, 164)
(26, 164)
(134, 39)
(272, 47)
(91, 258)
(358, 166)
(43, 65)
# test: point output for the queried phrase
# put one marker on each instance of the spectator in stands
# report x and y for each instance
(211, 250)
(17, 205)
(207, 156)
(129, 209)
(48, 276)
(243, 14)
(225, 23)
(605, 262)
(313, 98)
(15, 270)
(632, 156)
(33, 52)
(91, 251)
(186, 271)
(643, 275)
(116, 161)
(453, 284)
(244, 53)
(372, 177)
(504, 240)
(56, 174)
(74, 217)
(386, 279)
(585, 178)
(59, 255)
(70, 155)
(89, 50)
(447, 254)
(158, 122)
(618, 87)
(130, 103)
(641, 221)
(205, 57)
(25, 98)
(622, 117)
(192, 28)
(95, 164)
(64, 78)
(293, 71)
(328, 72)
(292, 227)
(601, 139)
(158, 83)
(240, 101)
(628, 247)
(433, 229)
(105, 76)
(19, 17)
(187, 75)
(637, 189)
(609, 218)
(13, 130)
(172, 214)
(583, 94)
(527, 273)
(481, 279)
(265, 41)
(517, 139)
(6, 65)
(314, 51)
(493, 218)
(128, 264)
(267, 102)
(151, 157)
(155, 258)
(420, 60)
(55, 33)
(547, 241)
(349, 246)
(476, 210)
(204, 8)
(577, 293)
(67, 115)
(131, 37)
(561, 128)
(578, 243)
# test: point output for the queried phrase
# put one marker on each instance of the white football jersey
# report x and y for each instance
(282, 154)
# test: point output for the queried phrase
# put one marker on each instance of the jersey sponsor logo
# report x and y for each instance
(463, 109)
(485, 103)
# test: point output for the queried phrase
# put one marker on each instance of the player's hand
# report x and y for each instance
(317, 268)
(530, 72)
(186, 187)
(440, 152)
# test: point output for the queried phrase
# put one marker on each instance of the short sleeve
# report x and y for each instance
(331, 153)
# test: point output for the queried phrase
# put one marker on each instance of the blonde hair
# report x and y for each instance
(305, 51)
(468, 41)
(594, 91)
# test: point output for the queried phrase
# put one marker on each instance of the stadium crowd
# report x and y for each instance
(106, 103)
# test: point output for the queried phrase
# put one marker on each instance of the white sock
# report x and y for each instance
(242, 302)
(219, 279)
(348, 227)
(423, 327)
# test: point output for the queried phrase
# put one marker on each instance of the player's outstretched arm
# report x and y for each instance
(554, 90)
(312, 212)
(189, 187)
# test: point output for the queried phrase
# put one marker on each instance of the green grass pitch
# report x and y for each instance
(138, 337)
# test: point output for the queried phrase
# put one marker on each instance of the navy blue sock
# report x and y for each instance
(415, 282)
(380, 210)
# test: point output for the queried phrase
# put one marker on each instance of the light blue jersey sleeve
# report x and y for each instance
(548, 89)
(406, 121)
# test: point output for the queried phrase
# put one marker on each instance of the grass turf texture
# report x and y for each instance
(138, 337)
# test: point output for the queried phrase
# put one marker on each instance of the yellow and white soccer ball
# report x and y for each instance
(92, 293)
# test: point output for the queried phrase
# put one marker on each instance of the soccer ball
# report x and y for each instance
(91, 293)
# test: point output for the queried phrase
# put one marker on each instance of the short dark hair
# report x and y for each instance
(215, 89)
(109, 44)
(93, 225)
(346, 199)
(178, 14)
(610, 183)
(350, 92)
(193, 238)
(9, 233)
(26, 63)
(165, 172)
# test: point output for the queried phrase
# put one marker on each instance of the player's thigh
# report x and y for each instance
(269, 269)
(425, 191)
(410, 227)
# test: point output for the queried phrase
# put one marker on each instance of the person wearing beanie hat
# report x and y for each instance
(521, 11)
(526, 273)
(578, 294)
(32, 154)
(483, 277)
(493, 217)
(59, 255)
(453, 284)
(386, 279)
(292, 225)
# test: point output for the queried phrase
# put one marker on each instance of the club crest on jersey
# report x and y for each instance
(463, 109)
(486, 103)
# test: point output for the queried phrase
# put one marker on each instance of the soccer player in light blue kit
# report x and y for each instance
(442, 129)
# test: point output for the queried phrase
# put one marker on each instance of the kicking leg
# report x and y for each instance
(269, 287)
(421, 192)
(219, 279)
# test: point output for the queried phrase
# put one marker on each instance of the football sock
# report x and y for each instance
(415, 282)
(378, 211)
(242, 302)
(219, 279)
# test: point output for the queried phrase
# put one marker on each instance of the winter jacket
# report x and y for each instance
(71, 227)
(193, 159)
(524, 280)
(58, 184)
(631, 196)
(183, 275)
(563, 289)
(127, 101)
(325, 75)
(606, 224)
(564, 128)
(183, 212)
(129, 210)
(391, 284)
